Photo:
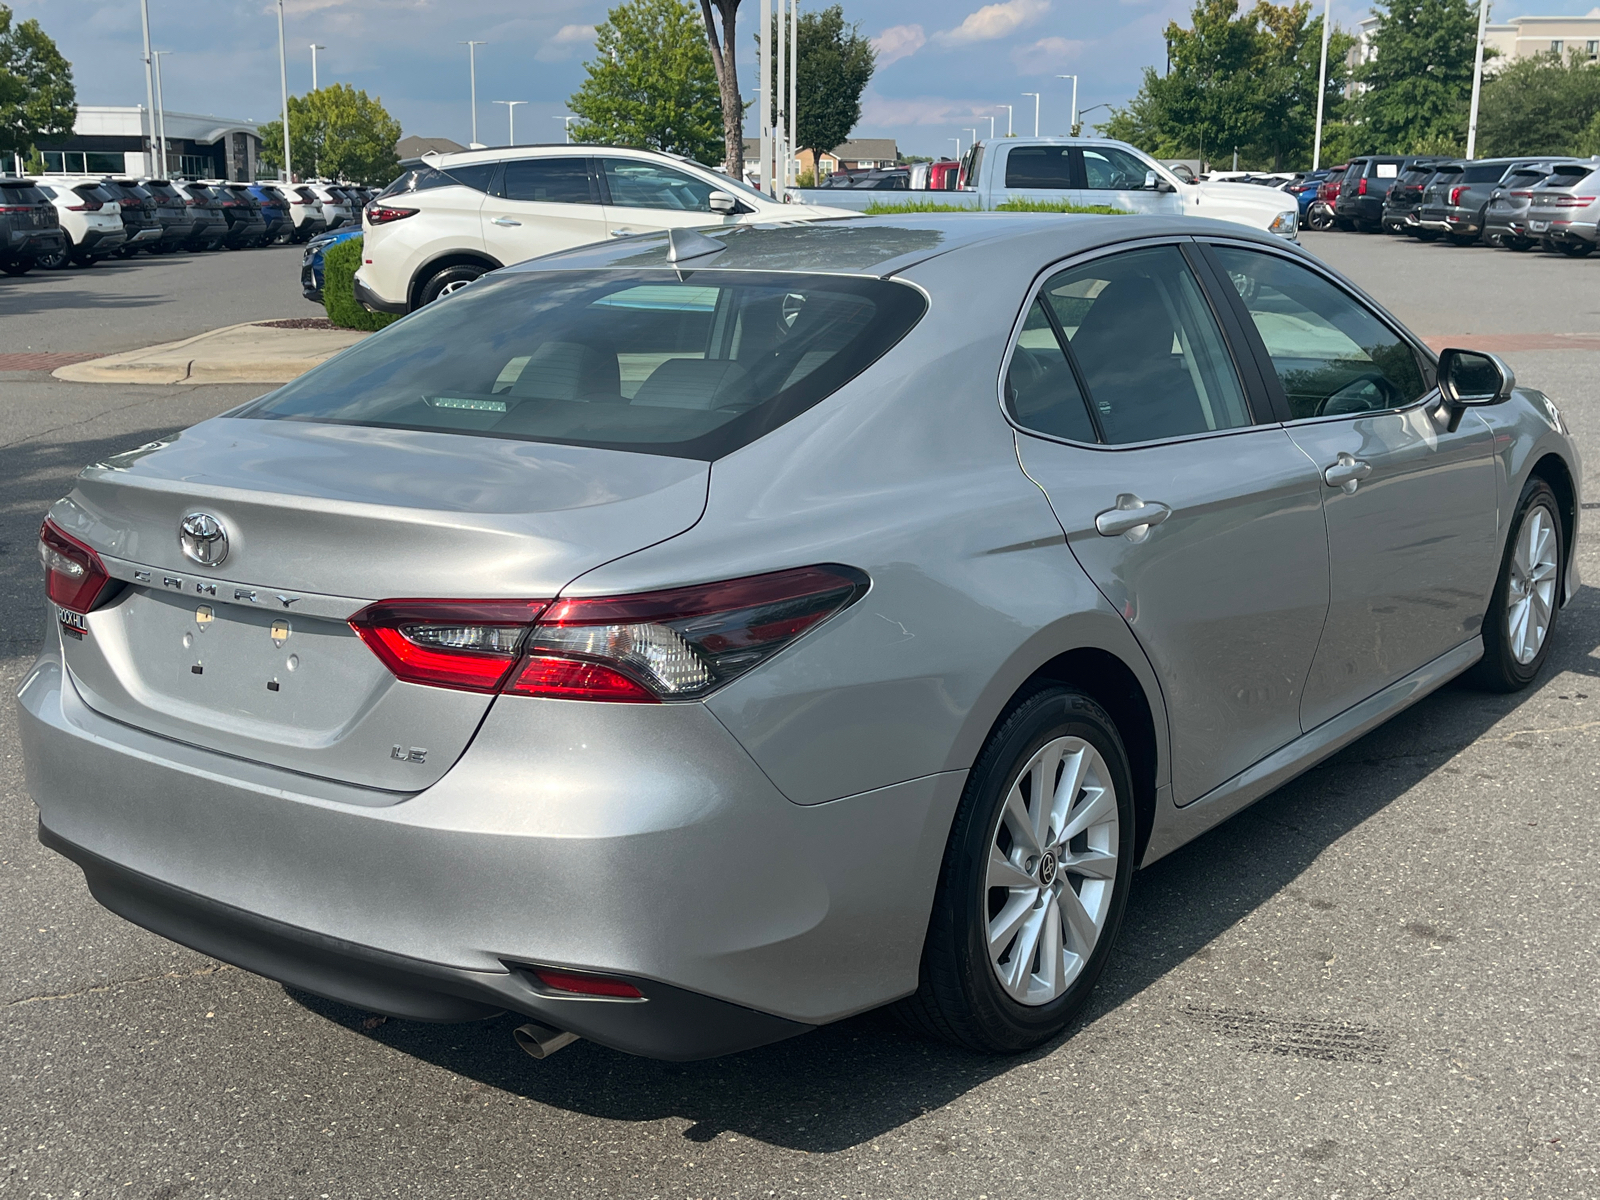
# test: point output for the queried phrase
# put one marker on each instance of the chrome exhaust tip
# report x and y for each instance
(541, 1041)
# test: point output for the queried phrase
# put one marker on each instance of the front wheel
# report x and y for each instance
(1527, 595)
(1034, 881)
(451, 279)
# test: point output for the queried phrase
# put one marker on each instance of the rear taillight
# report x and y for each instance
(378, 214)
(74, 576)
(1572, 201)
(671, 645)
(1523, 195)
(5, 208)
(1455, 195)
(1361, 187)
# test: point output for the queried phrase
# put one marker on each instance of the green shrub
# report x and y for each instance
(339, 265)
(883, 208)
(880, 208)
(1059, 206)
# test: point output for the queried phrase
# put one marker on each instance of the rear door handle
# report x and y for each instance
(622, 232)
(504, 221)
(1132, 517)
(1347, 473)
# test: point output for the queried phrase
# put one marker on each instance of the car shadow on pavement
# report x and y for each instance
(19, 299)
(848, 1083)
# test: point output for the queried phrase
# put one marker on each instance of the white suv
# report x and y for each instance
(90, 218)
(457, 216)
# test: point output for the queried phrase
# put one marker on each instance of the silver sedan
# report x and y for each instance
(688, 641)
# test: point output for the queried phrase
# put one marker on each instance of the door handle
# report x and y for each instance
(1347, 473)
(622, 233)
(1131, 517)
(504, 221)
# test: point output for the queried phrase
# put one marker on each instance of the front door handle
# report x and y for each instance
(1131, 517)
(622, 233)
(504, 221)
(1347, 473)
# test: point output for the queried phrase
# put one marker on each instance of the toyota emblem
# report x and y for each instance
(203, 539)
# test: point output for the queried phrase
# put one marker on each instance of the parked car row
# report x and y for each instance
(59, 220)
(1551, 201)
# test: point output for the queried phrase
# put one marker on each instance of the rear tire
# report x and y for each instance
(451, 279)
(1426, 235)
(1018, 937)
(17, 268)
(1576, 249)
(1519, 244)
(1463, 239)
(1523, 610)
(55, 260)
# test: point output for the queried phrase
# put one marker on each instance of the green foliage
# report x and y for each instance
(1238, 79)
(1538, 105)
(651, 83)
(1589, 139)
(882, 208)
(339, 266)
(1059, 206)
(835, 64)
(338, 132)
(37, 99)
(1419, 82)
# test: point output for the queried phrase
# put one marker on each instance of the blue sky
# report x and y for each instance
(944, 65)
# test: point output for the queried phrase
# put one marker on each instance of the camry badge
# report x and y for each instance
(203, 539)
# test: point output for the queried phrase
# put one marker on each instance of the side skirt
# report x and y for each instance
(1176, 826)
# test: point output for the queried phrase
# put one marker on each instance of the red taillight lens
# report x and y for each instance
(467, 645)
(583, 984)
(670, 645)
(74, 576)
(378, 214)
(1361, 187)
(1455, 195)
(1572, 201)
(1524, 195)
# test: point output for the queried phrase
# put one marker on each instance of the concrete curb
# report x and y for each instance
(246, 353)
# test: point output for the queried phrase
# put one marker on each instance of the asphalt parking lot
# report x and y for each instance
(1380, 981)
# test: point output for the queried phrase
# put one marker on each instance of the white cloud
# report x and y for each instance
(569, 39)
(1042, 56)
(897, 42)
(880, 111)
(993, 21)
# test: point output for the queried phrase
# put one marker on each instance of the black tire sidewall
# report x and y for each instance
(1046, 715)
(438, 281)
(1500, 669)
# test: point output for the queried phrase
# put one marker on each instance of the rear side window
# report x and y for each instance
(25, 194)
(1039, 167)
(626, 360)
(1489, 174)
(1134, 337)
(1333, 356)
(549, 180)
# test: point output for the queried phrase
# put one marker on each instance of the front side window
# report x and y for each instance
(1133, 335)
(549, 181)
(637, 184)
(1106, 168)
(1333, 356)
(625, 360)
(1038, 167)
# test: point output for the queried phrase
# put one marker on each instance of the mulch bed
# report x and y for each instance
(299, 323)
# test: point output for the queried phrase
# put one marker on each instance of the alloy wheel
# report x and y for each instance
(1051, 871)
(1530, 596)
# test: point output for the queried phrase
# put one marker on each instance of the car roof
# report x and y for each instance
(883, 246)
(458, 158)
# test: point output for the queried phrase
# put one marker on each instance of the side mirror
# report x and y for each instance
(1471, 379)
(721, 202)
(1154, 183)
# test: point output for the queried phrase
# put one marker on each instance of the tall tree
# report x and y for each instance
(1539, 105)
(1417, 85)
(652, 83)
(834, 63)
(337, 131)
(37, 99)
(723, 61)
(1237, 79)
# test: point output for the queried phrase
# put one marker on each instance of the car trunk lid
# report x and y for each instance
(254, 656)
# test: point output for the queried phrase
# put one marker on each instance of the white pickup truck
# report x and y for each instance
(1087, 171)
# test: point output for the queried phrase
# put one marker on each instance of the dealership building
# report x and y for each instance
(109, 140)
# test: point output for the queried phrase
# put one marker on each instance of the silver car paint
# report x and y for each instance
(786, 860)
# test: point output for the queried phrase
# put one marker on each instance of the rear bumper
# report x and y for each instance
(645, 845)
(28, 244)
(101, 241)
(143, 237)
(372, 302)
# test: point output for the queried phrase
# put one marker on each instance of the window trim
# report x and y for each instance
(1427, 361)
(1237, 352)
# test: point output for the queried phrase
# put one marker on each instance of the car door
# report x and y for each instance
(541, 205)
(1199, 522)
(1410, 504)
(1048, 174)
(1117, 179)
(647, 197)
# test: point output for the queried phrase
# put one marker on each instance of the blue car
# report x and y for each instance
(274, 211)
(1304, 190)
(311, 260)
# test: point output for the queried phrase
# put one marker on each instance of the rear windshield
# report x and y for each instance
(1568, 174)
(1523, 178)
(1488, 174)
(1447, 172)
(626, 360)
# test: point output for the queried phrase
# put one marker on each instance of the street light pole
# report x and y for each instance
(991, 128)
(1322, 86)
(1072, 125)
(283, 86)
(1007, 107)
(149, 81)
(764, 74)
(957, 141)
(161, 115)
(1477, 78)
(314, 49)
(568, 118)
(511, 119)
(794, 88)
(1035, 96)
(472, 75)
